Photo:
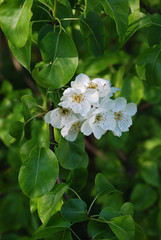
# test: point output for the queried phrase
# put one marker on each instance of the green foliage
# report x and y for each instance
(41, 172)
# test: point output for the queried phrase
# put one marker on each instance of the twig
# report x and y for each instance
(52, 143)
(95, 151)
(148, 9)
(128, 167)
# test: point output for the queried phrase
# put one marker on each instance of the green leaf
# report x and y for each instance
(48, 202)
(63, 235)
(102, 185)
(150, 64)
(150, 173)
(92, 34)
(29, 105)
(60, 60)
(139, 233)
(48, 232)
(90, 5)
(23, 54)
(108, 213)
(118, 10)
(77, 179)
(127, 209)
(134, 5)
(64, 11)
(26, 149)
(99, 230)
(143, 197)
(16, 130)
(136, 21)
(14, 20)
(72, 155)
(74, 210)
(39, 172)
(123, 227)
(154, 36)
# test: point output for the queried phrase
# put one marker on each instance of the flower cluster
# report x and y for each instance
(87, 107)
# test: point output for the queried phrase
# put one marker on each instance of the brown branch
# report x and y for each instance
(127, 165)
(148, 9)
(89, 147)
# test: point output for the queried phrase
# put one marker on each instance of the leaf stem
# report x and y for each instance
(93, 203)
(75, 193)
(75, 234)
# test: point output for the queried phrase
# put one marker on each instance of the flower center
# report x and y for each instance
(118, 115)
(93, 85)
(64, 111)
(98, 118)
(78, 97)
(76, 126)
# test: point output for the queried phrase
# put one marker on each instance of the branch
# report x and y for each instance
(127, 165)
(89, 147)
(148, 9)
(52, 142)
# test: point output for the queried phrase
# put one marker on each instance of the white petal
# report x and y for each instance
(115, 89)
(78, 85)
(91, 95)
(72, 135)
(86, 107)
(125, 123)
(82, 78)
(86, 129)
(107, 104)
(47, 117)
(98, 131)
(65, 130)
(117, 132)
(120, 104)
(109, 122)
(130, 109)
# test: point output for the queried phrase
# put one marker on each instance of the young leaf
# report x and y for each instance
(123, 227)
(14, 21)
(74, 210)
(26, 148)
(127, 209)
(60, 60)
(72, 155)
(100, 230)
(136, 21)
(150, 173)
(118, 10)
(150, 62)
(92, 33)
(154, 36)
(23, 54)
(16, 130)
(39, 172)
(108, 213)
(143, 196)
(77, 178)
(102, 185)
(48, 202)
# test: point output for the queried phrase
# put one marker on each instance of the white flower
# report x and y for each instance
(98, 123)
(71, 130)
(59, 117)
(123, 113)
(78, 101)
(102, 86)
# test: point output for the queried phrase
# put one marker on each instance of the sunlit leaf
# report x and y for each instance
(14, 21)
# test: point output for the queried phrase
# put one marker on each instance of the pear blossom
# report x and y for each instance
(102, 86)
(59, 117)
(71, 130)
(78, 101)
(99, 121)
(87, 107)
(123, 112)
